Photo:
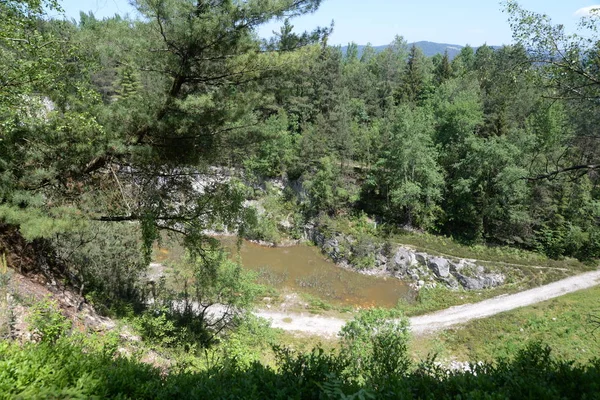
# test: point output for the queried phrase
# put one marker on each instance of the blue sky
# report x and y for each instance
(377, 21)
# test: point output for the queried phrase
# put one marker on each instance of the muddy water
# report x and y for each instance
(303, 268)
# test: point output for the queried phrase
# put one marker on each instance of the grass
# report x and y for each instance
(496, 256)
(439, 298)
(303, 342)
(316, 304)
(570, 325)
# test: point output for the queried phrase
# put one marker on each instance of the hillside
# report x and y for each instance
(429, 49)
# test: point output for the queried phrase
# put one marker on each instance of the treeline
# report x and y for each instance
(475, 147)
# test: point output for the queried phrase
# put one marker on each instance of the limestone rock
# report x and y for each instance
(421, 258)
(404, 258)
(478, 282)
(380, 260)
(440, 266)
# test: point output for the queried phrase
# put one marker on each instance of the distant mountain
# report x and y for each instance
(432, 48)
(428, 48)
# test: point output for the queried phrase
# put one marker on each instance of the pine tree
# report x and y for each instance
(444, 69)
(415, 80)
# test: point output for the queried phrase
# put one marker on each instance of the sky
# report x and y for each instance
(377, 22)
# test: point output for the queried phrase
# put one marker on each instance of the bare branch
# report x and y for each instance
(554, 174)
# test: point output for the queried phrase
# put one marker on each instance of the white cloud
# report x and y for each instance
(587, 11)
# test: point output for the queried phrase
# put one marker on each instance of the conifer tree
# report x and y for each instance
(444, 69)
(415, 80)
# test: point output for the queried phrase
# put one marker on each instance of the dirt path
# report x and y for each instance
(329, 327)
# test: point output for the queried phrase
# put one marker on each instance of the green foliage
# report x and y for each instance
(375, 343)
(265, 229)
(47, 322)
(203, 299)
(105, 261)
(45, 371)
(416, 79)
(250, 340)
(443, 70)
(99, 126)
(357, 238)
(74, 369)
(326, 189)
(275, 153)
(407, 178)
(277, 215)
(156, 327)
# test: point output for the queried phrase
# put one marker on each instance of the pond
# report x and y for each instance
(302, 268)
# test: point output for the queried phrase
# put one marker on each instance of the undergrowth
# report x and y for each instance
(72, 368)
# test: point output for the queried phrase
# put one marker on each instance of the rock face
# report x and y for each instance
(421, 269)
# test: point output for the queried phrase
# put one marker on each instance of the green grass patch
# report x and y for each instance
(316, 304)
(438, 298)
(568, 324)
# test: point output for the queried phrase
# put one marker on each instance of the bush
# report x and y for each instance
(265, 229)
(105, 260)
(47, 322)
(376, 343)
(155, 326)
(73, 368)
(204, 297)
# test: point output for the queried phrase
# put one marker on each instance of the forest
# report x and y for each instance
(107, 126)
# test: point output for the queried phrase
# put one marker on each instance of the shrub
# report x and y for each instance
(204, 297)
(71, 368)
(47, 322)
(106, 260)
(376, 342)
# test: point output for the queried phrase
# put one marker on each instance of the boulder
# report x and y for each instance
(380, 260)
(331, 247)
(440, 266)
(469, 283)
(478, 282)
(449, 281)
(404, 258)
(421, 258)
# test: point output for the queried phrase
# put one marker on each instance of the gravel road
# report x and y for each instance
(329, 327)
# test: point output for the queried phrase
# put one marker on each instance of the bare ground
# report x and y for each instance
(330, 326)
